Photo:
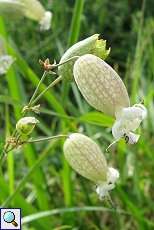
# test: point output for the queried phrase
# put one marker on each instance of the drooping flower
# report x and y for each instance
(86, 158)
(26, 125)
(103, 89)
(91, 45)
(32, 9)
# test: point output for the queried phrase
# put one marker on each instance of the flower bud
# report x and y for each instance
(100, 85)
(93, 44)
(26, 125)
(86, 158)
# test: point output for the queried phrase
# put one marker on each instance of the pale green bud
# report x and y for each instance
(26, 125)
(86, 158)
(91, 45)
(100, 85)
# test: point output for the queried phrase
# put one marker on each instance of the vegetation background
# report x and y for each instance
(36, 177)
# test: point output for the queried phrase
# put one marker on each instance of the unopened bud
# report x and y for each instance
(26, 125)
(91, 45)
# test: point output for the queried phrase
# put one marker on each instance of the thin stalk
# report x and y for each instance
(46, 138)
(37, 88)
(52, 83)
(45, 90)
(68, 60)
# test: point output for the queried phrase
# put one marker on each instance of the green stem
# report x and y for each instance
(76, 22)
(68, 60)
(37, 88)
(46, 138)
(52, 83)
(2, 157)
(45, 90)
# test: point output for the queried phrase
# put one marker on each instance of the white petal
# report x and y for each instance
(117, 130)
(133, 112)
(113, 175)
(128, 120)
(144, 110)
(133, 138)
(103, 189)
(45, 22)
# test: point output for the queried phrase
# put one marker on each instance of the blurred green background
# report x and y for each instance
(36, 177)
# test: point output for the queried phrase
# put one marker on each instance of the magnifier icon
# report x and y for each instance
(9, 217)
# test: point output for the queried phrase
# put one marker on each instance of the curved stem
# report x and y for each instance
(68, 60)
(46, 138)
(54, 82)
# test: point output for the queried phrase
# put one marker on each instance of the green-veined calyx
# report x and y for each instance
(86, 158)
(93, 44)
(103, 89)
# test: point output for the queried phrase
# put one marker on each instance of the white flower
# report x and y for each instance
(86, 158)
(45, 22)
(112, 176)
(103, 89)
(127, 121)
